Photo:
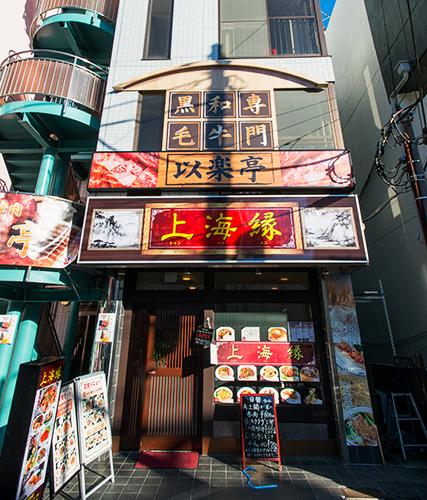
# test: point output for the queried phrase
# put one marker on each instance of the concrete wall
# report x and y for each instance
(397, 256)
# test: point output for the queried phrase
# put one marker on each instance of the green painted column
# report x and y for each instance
(70, 335)
(22, 352)
(45, 173)
(59, 175)
(6, 350)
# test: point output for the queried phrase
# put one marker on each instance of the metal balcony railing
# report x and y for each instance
(45, 8)
(44, 74)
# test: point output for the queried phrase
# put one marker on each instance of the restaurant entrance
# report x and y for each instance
(163, 390)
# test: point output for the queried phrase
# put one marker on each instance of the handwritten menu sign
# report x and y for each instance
(203, 336)
(93, 417)
(65, 449)
(260, 437)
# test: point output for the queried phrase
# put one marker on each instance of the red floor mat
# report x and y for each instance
(167, 460)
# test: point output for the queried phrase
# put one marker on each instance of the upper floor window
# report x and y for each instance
(159, 30)
(263, 28)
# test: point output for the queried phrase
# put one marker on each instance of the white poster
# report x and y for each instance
(65, 447)
(8, 325)
(105, 327)
(93, 416)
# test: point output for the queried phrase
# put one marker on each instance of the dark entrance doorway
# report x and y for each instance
(163, 402)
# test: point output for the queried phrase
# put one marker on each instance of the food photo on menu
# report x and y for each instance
(290, 396)
(225, 333)
(277, 334)
(250, 333)
(223, 394)
(246, 372)
(94, 414)
(224, 373)
(289, 373)
(269, 373)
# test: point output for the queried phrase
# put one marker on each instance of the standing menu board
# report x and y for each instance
(27, 443)
(93, 417)
(65, 448)
(260, 437)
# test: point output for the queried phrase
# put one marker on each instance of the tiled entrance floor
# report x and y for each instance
(221, 478)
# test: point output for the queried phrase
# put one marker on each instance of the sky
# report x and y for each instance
(326, 7)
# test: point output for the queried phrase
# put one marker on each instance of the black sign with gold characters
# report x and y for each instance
(254, 104)
(219, 105)
(184, 105)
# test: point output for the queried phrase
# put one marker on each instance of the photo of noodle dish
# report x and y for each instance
(245, 390)
(309, 374)
(250, 333)
(225, 333)
(224, 373)
(269, 373)
(289, 373)
(360, 427)
(278, 334)
(271, 390)
(290, 396)
(246, 372)
(223, 395)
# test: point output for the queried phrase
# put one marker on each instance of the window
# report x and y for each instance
(149, 128)
(261, 28)
(303, 120)
(159, 30)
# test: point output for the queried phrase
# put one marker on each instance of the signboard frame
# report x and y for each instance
(29, 428)
(94, 380)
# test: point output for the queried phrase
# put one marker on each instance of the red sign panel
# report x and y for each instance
(293, 169)
(266, 353)
(222, 228)
(38, 230)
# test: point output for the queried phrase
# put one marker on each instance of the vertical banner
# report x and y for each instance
(65, 446)
(356, 402)
(27, 445)
(93, 416)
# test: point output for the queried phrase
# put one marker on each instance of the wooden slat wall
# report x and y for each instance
(172, 404)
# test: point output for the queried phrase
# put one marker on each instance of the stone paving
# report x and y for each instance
(221, 477)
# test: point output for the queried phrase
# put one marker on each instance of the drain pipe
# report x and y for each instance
(410, 149)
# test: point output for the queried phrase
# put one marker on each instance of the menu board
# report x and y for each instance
(93, 416)
(260, 437)
(65, 449)
(34, 467)
(264, 360)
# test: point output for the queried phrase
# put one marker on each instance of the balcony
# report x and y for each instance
(83, 27)
(48, 99)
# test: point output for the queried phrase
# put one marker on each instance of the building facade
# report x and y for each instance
(383, 120)
(220, 202)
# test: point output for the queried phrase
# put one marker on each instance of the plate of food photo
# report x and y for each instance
(278, 334)
(225, 333)
(250, 333)
(290, 396)
(223, 395)
(269, 373)
(289, 373)
(309, 374)
(246, 372)
(224, 373)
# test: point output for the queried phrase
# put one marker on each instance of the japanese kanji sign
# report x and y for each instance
(254, 104)
(257, 229)
(221, 228)
(228, 169)
(184, 105)
(262, 353)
